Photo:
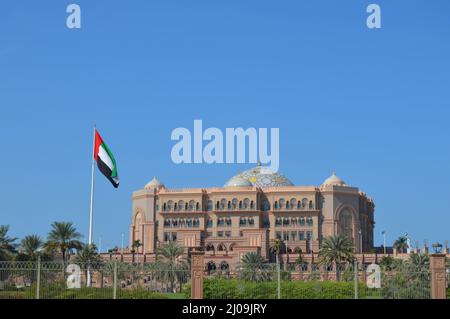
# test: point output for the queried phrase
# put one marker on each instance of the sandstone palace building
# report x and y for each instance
(248, 213)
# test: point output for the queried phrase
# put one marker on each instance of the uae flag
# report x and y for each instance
(105, 160)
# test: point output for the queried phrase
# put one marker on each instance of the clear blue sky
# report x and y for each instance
(374, 105)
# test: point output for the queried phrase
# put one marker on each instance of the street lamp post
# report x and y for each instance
(360, 241)
(122, 245)
(384, 241)
(287, 252)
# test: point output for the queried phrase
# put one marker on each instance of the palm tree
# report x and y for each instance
(88, 258)
(30, 246)
(7, 244)
(112, 251)
(419, 262)
(253, 267)
(276, 248)
(135, 248)
(387, 263)
(171, 266)
(336, 250)
(401, 244)
(63, 238)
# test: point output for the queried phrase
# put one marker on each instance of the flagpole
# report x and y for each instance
(91, 213)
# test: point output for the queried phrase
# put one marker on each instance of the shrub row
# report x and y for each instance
(216, 288)
(58, 291)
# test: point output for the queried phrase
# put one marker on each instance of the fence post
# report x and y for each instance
(38, 277)
(356, 278)
(197, 268)
(438, 284)
(115, 280)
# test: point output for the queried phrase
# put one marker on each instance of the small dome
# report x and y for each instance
(154, 183)
(334, 180)
(260, 176)
(238, 182)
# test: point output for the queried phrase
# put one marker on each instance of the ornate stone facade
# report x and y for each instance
(247, 214)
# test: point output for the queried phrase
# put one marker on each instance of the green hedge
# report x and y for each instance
(59, 291)
(215, 288)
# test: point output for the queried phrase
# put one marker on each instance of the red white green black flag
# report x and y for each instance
(105, 160)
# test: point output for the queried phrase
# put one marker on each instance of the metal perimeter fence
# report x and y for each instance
(116, 280)
(112, 280)
(350, 282)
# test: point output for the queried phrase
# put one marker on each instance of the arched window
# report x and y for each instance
(181, 205)
(229, 205)
(197, 206)
(191, 205)
(252, 205)
(210, 247)
(169, 205)
(293, 203)
(224, 266)
(282, 203)
(166, 222)
(175, 206)
(246, 203)
(211, 267)
(164, 207)
(222, 248)
(346, 224)
(186, 206)
(223, 204)
(235, 203)
(217, 205)
(277, 206)
(278, 221)
(240, 205)
(288, 205)
(304, 203)
(311, 206)
(299, 204)
(210, 205)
